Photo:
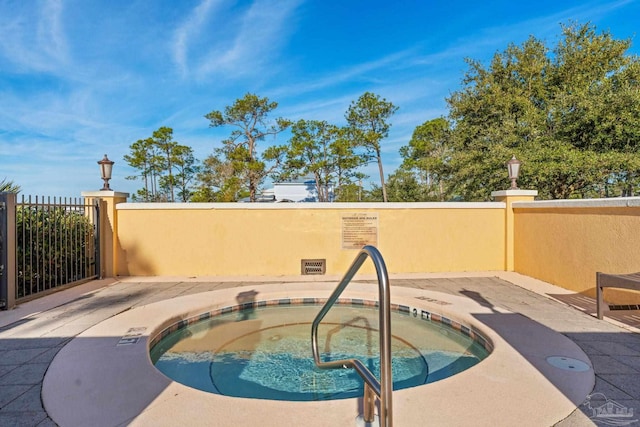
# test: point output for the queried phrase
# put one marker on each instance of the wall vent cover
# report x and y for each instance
(313, 266)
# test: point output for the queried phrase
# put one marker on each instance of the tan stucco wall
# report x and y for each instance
(566, 243)
(243, 239)
(108, 200)
(509, 197)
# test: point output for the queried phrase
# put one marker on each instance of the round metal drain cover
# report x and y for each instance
(568, 364)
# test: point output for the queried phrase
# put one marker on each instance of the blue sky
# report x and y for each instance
(79, 79)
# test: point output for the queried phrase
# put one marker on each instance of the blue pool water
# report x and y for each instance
(265, 353)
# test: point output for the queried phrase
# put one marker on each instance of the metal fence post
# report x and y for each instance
(7, 250)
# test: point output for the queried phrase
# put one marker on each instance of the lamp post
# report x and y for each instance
(106, 166)
(514, 170)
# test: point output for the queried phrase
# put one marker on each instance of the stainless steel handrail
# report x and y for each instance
(383, 388)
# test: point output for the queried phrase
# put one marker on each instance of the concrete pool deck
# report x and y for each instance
(32, 334)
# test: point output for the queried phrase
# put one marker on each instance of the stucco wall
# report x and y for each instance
(566, 242)
(271, 239)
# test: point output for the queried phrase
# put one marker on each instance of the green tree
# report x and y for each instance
(309, 153)
(219, 180)
(145, 158)
(348, 164)
(368, 117)
(427, 157)
(187, 169)
(571, 114)
(248, 115)
(404, 186)
(163, 140)
(320, 149)
(164, 165)
(351, 191)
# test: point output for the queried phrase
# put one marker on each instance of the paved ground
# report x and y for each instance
(32, 334)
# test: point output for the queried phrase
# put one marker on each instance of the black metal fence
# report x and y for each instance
(56, 244)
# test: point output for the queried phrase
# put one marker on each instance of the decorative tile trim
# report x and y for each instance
(425, 315)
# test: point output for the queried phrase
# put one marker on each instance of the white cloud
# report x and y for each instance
(254, 41)
(51, 35)
(194, 25)
(33, 37)
(349, 74)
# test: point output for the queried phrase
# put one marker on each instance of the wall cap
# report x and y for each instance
(611, 202)
(310, 206)
(512, 193)
(101, 193)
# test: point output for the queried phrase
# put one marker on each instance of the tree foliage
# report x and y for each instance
(144, 158)
(405, 186)
(187, 168)
(351, 189)
(163, 141)
(219, 180)
(571, 114)
(425, 165)
(368, 118)
(249, 118)
(163, 165)
(237, 168)
(324, 151)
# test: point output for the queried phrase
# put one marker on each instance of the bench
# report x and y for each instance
(625, 281)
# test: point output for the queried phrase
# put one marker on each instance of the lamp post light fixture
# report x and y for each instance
(106, 166)
(514, 170)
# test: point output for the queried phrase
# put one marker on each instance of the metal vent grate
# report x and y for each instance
(624, 307)
(313, 266)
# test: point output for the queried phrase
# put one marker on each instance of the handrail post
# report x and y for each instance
(382, 389)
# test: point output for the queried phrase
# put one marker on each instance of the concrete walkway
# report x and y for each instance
(32, 334)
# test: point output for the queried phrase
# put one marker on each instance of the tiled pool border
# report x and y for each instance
(128, 390)
(425, 315)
